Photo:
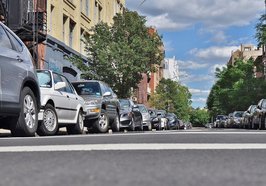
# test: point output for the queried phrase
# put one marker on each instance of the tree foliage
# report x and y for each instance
(199, 117)
(120, 53)
(261, 30)
(235, 89)
(172, 97)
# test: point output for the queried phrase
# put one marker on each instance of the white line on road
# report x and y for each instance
(137, 146)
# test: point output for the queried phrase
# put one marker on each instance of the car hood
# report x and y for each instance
(125, 110)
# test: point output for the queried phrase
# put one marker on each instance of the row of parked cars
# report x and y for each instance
(43, 101)
(252, 118)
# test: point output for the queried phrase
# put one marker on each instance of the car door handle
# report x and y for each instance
(76, 98)
(19, 59)
(67, 96)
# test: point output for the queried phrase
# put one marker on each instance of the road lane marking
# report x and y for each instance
(143, 146)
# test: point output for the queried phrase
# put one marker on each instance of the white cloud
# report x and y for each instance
(170, 14)
(190, 65)
(199, 91)
(202, 100)
(214, 53)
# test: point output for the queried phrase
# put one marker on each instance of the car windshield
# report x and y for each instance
(238, 114)
(124, 103)
(143, 109)
(44, 78)
(87, 88)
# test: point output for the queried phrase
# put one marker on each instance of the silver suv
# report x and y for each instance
(19, 89)
(101, 105)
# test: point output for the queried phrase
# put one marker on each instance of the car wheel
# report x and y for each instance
(133, 125)
(78, 128)
(116, 124)
(49, 125)
(149, 127)
(102, 123)
(27, 122)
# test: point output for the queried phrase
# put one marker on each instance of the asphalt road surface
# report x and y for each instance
(207, 157)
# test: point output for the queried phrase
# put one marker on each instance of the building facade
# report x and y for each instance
(170, 70)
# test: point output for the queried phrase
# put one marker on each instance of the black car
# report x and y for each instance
(101, 105)
(172, 121)
(19, 87)
(130, 116)
(155, 120)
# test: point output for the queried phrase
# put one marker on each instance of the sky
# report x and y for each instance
(201, 34)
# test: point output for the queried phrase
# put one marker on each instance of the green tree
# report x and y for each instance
(172, 97)
(235, 89)
(199, 117)
(120, 53)
(261, 30)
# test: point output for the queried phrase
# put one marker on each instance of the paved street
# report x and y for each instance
(193, 157)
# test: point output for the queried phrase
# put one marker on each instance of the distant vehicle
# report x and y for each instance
(248, 116)
(145, 116)
(172, 121)
(19, 88)
(130, 115)
(101, 105)
(236, 120)
(163, 120)
(220, 121)
(61, 106)
(155, 120)
(229, 120)
(259, 115)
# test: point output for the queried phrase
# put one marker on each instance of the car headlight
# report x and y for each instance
(92, 102)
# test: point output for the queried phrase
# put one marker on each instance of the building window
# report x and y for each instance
(71, 32)
(87, 6)
(51, 19)
(97, 13)
(65, 18)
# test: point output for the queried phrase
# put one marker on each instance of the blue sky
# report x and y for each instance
(201, 35)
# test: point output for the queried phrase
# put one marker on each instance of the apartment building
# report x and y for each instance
(171, 70)
(68, 22)
(245, 52)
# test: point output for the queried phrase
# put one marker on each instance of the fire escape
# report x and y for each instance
(28, 19)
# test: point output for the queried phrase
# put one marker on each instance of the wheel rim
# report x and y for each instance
(103, 121)
(49, 119)
(29, 111)
(81, 123)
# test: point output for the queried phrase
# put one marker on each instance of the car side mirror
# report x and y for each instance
(59, 85)
(107, 94)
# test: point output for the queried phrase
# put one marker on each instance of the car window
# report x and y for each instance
(4, 40)
(68, 87)
(17, 44)
(58, 78)
(88, 88)
(143, 109)
(45, 79)
(124, 103)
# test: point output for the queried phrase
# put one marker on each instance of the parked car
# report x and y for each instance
(220, 121)
(172, 121)
(146, 123)
(163, 120)
(229, 120)
(248, 116)
(20, 93)
(101, 105)
(259, 115)
(236, 119)
(155, 120)
(61, 106)
(130, 115)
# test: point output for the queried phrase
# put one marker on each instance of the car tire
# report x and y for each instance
(116, 124)
(102, 123)
(149, 127)
(27, 122)
(78, 128)
(133, 125)
(49, 125)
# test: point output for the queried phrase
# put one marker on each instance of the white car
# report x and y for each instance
(61, 106)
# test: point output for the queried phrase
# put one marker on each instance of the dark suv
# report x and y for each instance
(19, 89)
(101, 105)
